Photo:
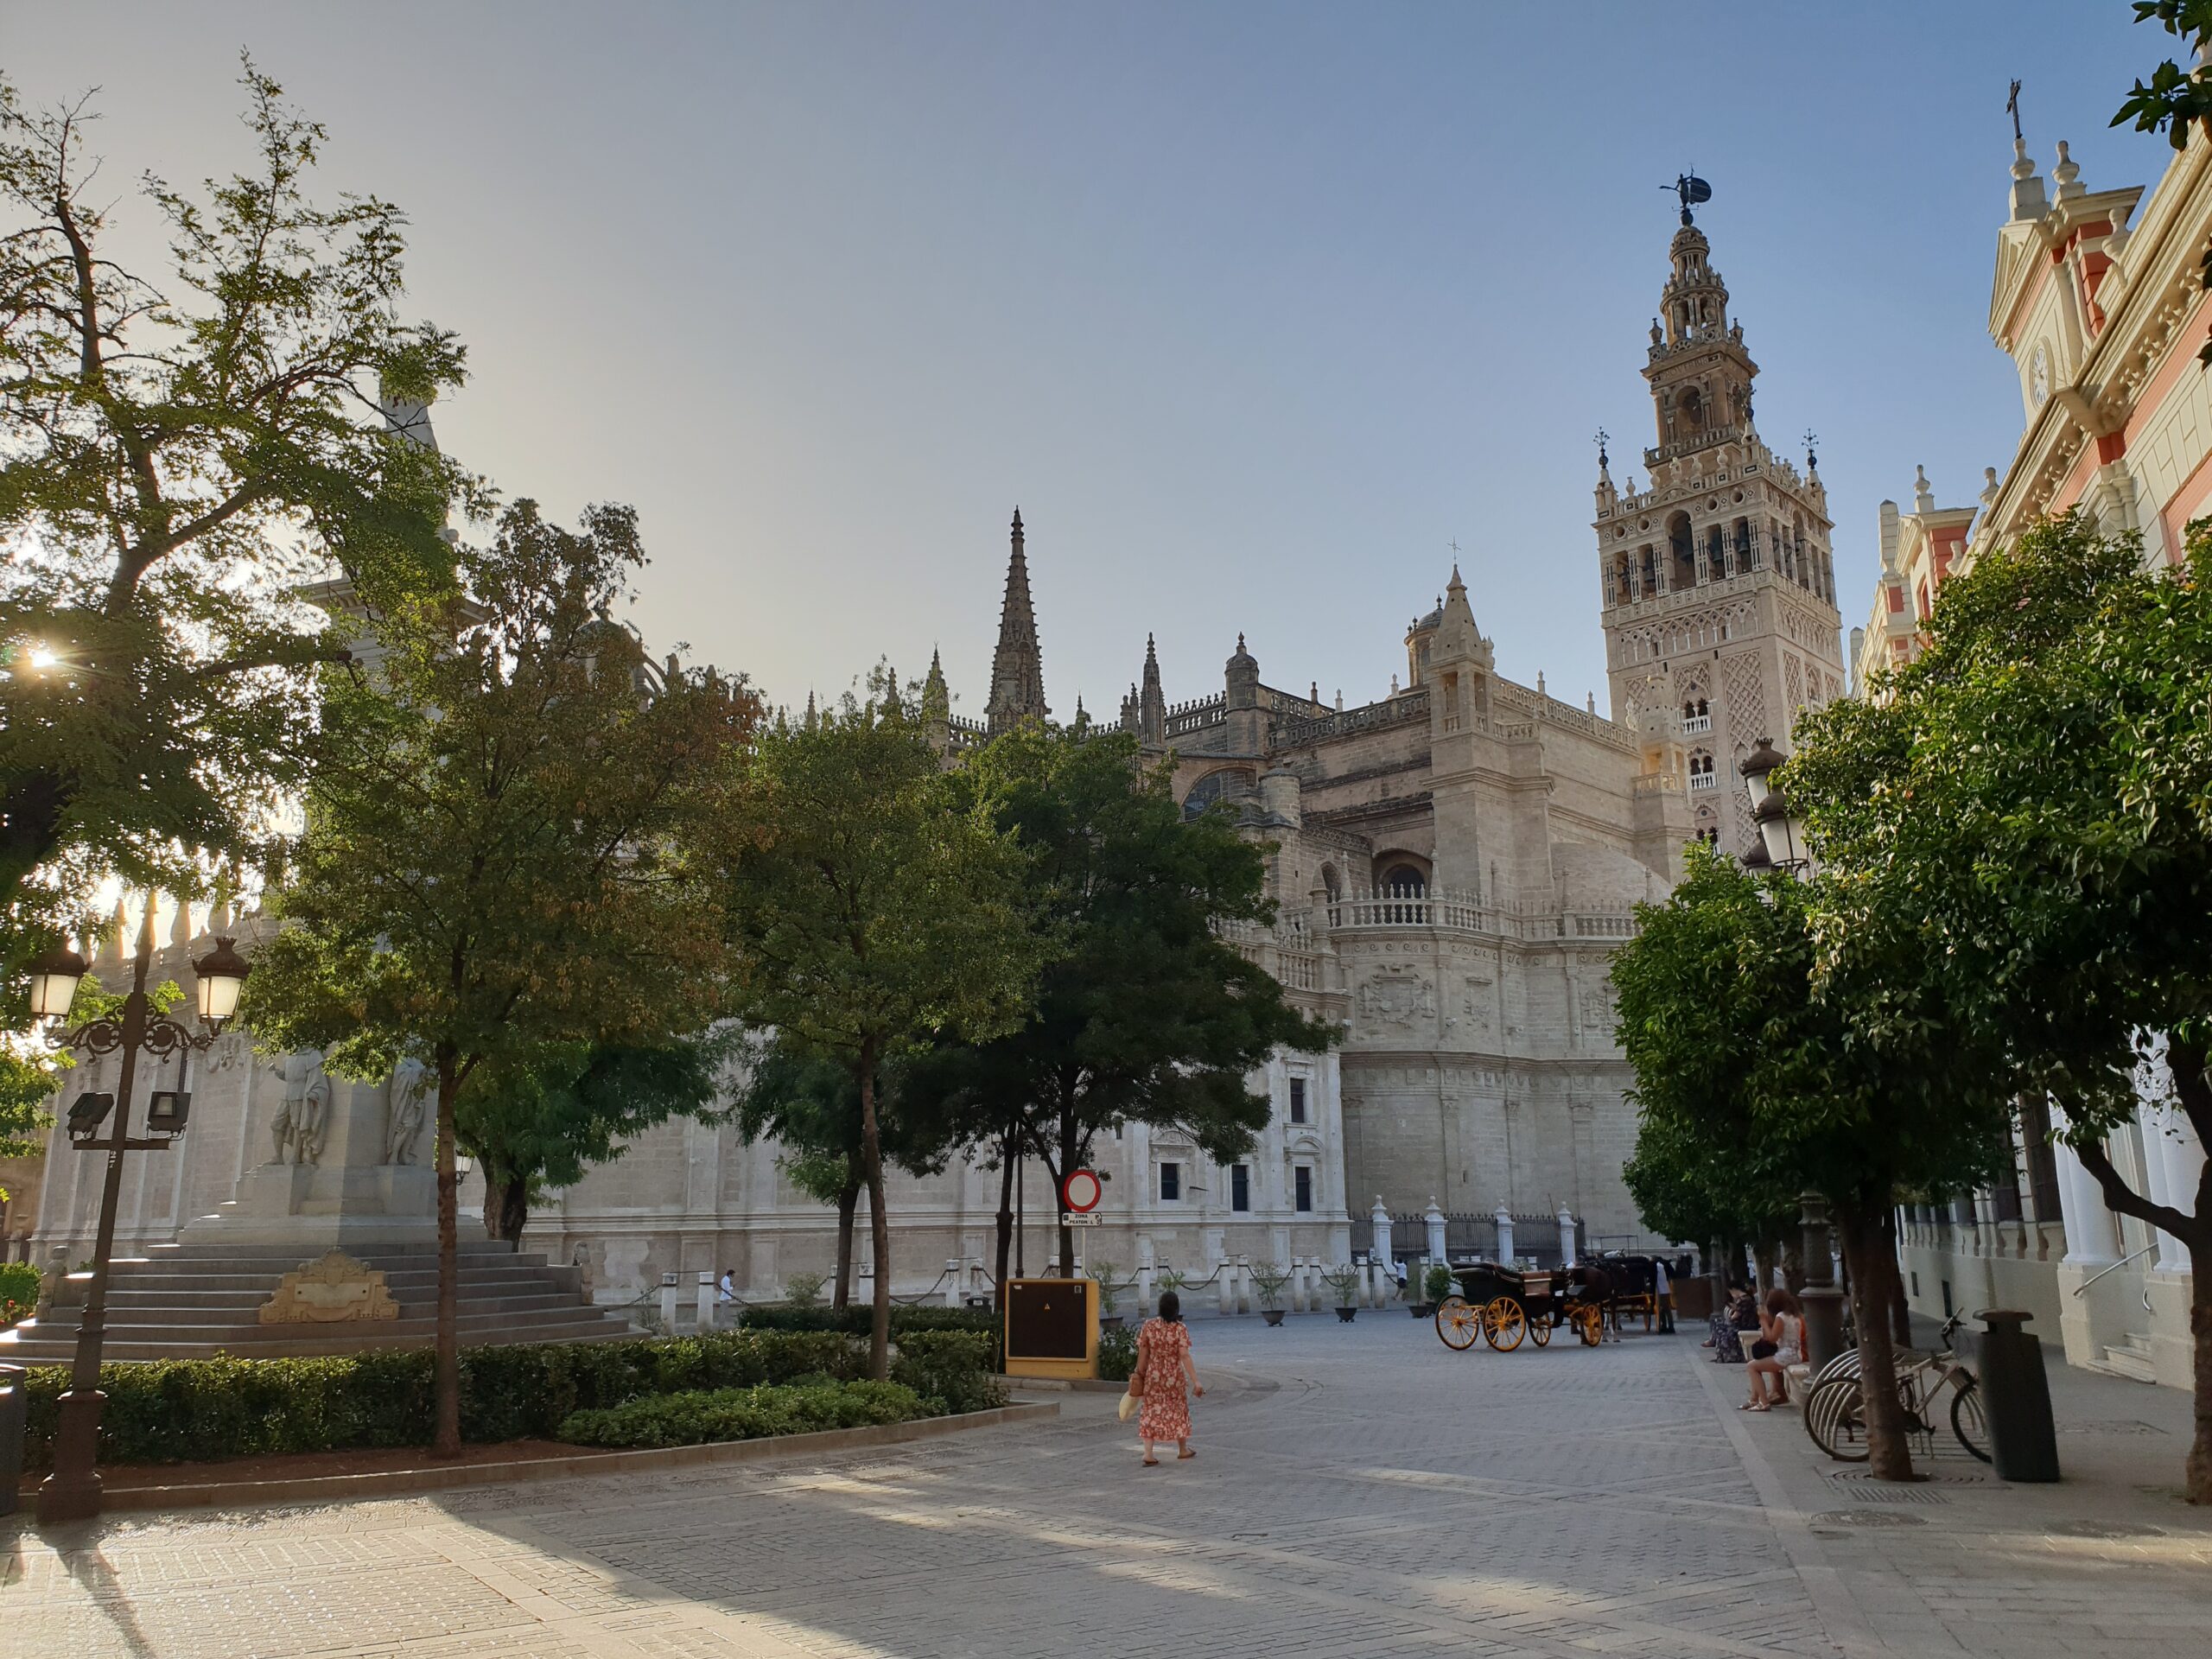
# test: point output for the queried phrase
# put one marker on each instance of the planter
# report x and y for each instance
(1272, 1315)
(1110, 1322)
(1419, 1310)
(1345, 1314)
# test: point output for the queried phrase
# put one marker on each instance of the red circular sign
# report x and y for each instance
(1080, 1191)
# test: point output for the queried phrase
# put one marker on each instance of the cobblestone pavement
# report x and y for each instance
(1359, 1490)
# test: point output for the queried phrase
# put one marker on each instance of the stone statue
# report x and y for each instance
(304, 1118)
(410, 1089)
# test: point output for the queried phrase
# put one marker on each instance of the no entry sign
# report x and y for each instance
(1080, 1191)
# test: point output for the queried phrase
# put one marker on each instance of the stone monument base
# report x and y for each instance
(320, 1207)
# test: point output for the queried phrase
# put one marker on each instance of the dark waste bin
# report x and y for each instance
(14, 1422)
(2016, 1398)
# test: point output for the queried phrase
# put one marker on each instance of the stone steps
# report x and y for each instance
(2129, 1357)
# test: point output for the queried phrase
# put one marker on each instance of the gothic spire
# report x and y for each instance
(1017, 668)
(1152, 705)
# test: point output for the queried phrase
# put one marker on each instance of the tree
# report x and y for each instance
(494, 858)
(810, 1105)
(543, 1119)
(2028, 808)
(870, 908)
(1767, 1079)
(179, 451)
(1145, 1014)
(2174, 99)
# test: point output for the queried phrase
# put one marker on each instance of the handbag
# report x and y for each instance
(1128, 1408)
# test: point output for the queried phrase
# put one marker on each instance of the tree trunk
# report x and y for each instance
(2196, 1472)
(1792, 1266)
(1071, 1151)
(446, 1435)
(1762, 1265)
(507, 1204)
(1900, 1309)
(1008, 1156)
(878, 1226)
(848, 1202)
(1873, 1270)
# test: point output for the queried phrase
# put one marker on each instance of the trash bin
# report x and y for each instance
(15, 1422)
(2016, 1398)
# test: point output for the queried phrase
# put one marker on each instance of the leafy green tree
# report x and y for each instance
(494, 863)
(1145, 1014)
(2174, 100)
(870, 909)
(811, 1106)
(543, 1120)
(1767, 1079)
(2027, 811)
(180, 448)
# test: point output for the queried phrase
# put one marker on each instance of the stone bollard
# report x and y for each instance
(2023, 1443)
(668, 1304)
(1566, 1255)
(1145, 1306)
(1503, 1217)
(1244, 1284)
(952, 1276)
(703, 1309)
(1438, 1250)
(1313, 1284)
(1224, 1280)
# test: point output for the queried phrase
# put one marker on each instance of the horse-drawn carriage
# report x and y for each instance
(1504, 1305)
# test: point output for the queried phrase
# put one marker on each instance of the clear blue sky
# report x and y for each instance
(1253, 309)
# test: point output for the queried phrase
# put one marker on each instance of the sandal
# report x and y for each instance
(1761, 1406)
(1150, 1463)
(1181, 1456)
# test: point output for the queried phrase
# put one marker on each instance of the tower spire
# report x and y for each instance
(1017, 668)
(1152, 704)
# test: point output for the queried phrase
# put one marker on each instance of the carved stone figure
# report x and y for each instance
(332, 1288)
(411, 1089)
(304, 1118)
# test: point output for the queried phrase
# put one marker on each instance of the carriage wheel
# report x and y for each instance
(1505, 1325)
(1540, 1329)
(1590, 1324)
(1458, 1322)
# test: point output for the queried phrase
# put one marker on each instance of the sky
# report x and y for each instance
(1253, 310)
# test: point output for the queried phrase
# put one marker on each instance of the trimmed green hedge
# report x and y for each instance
(856, 1320)
(696, 1416)
(198, 1410)
(1118, 1354)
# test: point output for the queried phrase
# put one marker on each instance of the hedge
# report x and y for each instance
(1118, 1354)
(198, 1410)
(857, 1319)
(696, 1415)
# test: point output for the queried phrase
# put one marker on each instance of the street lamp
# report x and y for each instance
(72, 1492)
(1781, 833)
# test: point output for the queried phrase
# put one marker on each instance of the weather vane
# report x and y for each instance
(1692, 189)
(1602, 439)
(1812, 460)
(2012, 109)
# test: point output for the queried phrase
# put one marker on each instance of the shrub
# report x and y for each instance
(1438, 1282)
(804, 1289)
(198, 1410)
(951, 1367)
(696, 1416)
(1118, 1355)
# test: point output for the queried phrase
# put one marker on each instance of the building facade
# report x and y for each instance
(2098, 298)
(1454, 866)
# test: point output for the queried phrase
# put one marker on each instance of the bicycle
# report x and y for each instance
(1835, 1408)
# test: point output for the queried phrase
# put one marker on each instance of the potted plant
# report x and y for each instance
(1109, 1296)
(1344, 1279)
(1438, 1282)
(1268, 1278)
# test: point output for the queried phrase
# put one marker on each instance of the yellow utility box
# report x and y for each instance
(1051, 1328)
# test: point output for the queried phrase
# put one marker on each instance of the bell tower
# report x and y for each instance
(1716, 586)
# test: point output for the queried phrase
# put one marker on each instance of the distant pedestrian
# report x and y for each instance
(1663, 1291)
(728, 1289)
(1164, 1364)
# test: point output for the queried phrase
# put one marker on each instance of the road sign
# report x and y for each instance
(1081, 1190)
(1074, 1218)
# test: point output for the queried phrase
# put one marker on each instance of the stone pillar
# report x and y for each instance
(2091, 1235)
(1380, 1218)
(2091, 1316)
(1224, 1280)
(1567, 1257)
(1822, 1301)
(864, 1282)
(1434, 1217)
(668, 1303)
(1244, 1299)
(703, 1312)
(952, 1282)
(1503, 1217)
(1145, 1304)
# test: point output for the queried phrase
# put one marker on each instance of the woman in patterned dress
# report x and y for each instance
(1164, 1363)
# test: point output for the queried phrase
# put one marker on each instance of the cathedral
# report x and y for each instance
(1453, 865)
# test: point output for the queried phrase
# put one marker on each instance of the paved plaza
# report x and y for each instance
(1360, 1491)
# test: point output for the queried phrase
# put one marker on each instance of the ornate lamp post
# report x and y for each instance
(72, 1492)
(1782, 846)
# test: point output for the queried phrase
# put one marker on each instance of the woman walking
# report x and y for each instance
(1164, 1364)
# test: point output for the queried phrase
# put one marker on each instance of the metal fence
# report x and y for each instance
(1470, 1237)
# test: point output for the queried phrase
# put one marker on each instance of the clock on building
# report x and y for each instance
(2039, 375)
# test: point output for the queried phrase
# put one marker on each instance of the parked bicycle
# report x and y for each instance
(1835, 1413)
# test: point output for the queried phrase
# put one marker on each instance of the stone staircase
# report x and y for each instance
(189, 1301)
(2129, 1357)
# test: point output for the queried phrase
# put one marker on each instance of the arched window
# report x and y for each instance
(1690, 410)
(1682, 553)
(1227, 785)
(1331, 883)
(1405, 881)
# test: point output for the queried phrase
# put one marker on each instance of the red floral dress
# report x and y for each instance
(1166, 1412)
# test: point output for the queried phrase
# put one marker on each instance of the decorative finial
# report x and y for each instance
(1017, 521)
(1604, 461)
(2012, 109)
(1240, 640)
(1812, 445)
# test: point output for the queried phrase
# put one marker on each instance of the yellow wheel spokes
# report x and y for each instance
(1459, 1323)
(1542, 1330)
(1505, 1325)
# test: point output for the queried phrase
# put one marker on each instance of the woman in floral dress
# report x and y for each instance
(1164, 1363)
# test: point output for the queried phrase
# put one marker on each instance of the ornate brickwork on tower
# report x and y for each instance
(1017, 669)
(1719, 595)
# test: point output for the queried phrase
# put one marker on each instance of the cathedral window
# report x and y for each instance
(1681, 549)
(1171, 1183)
(1240, 1187)
(1302, 1187)
(1298, 1100)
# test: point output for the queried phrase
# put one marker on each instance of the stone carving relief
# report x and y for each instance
(1475, 1004)
(304, 1118)
(1598, 1017)
(410, 1096)
(331, 1289)
(1397, 997)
